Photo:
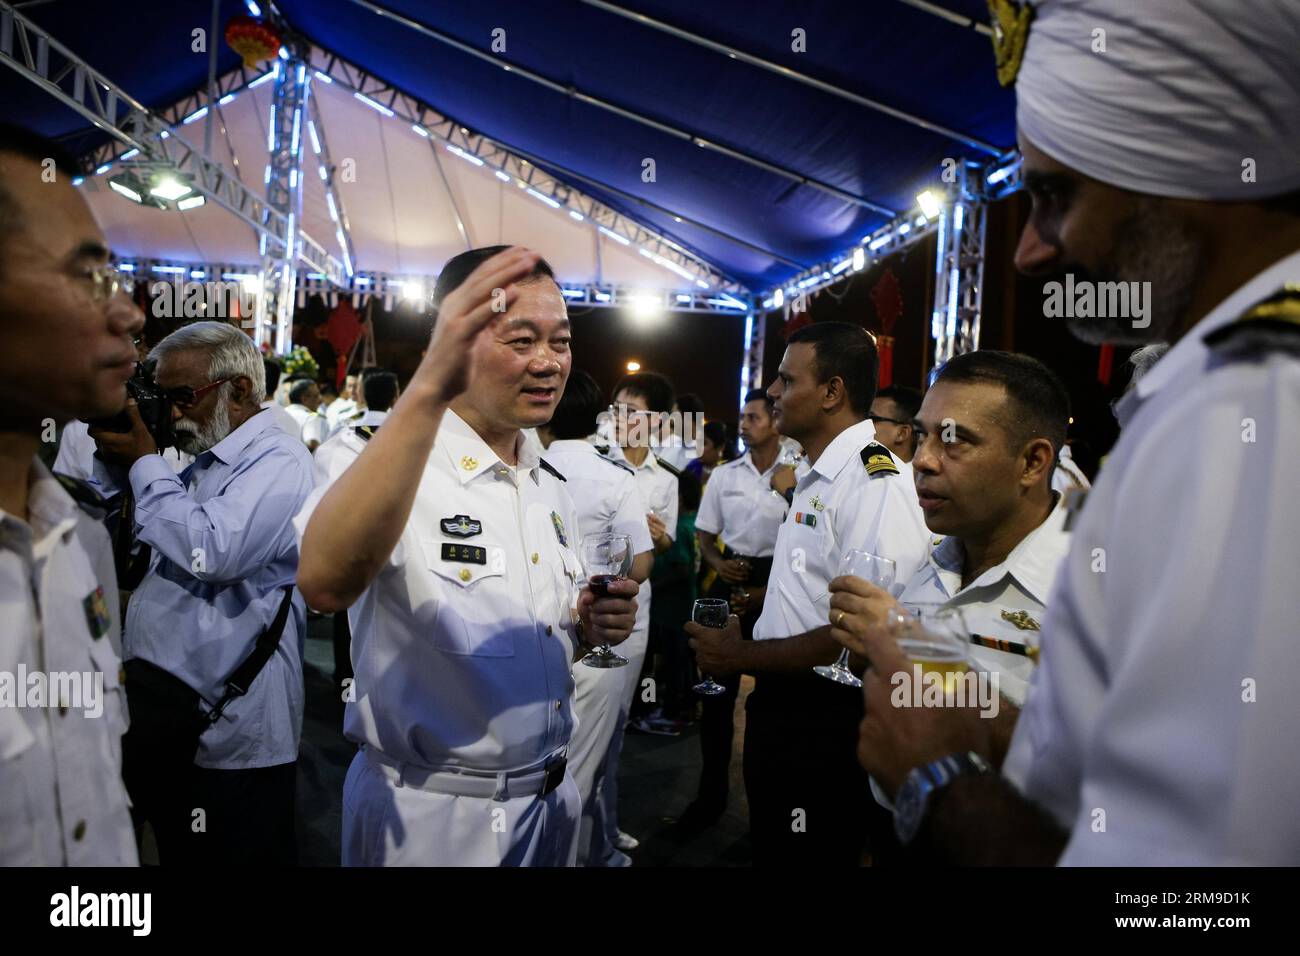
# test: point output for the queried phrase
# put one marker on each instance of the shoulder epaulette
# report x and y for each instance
(80, 492)
(546, 465)
(878, 460)
(618, 464)
(365, 432)
(671, 469)
(1270, 325)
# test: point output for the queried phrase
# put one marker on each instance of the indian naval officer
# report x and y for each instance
(800, 728)
(987, 433)
(742, 511)
(607, 500)
(65, 353)
(1157, 725)
(452, 544)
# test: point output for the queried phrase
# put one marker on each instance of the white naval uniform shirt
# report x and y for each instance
(740, 505)
(1022, 582)
(332, 457)
(876, 513)
(1067, 475)
(605, 494)
(460, 663)
(62, 801)
(1137, 705)
(651, 477)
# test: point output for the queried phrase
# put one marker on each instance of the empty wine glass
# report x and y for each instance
(710, 612)
(878, 571)
(607, 558)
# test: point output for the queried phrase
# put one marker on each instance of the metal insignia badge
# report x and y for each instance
(559, 529)
(469, 463)
(462, 526)
(1020, 619)
(96, 613)
(1010, 22)
(816, 503)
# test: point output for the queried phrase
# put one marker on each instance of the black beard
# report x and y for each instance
(1154, 246)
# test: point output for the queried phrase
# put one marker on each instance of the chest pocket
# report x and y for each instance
(473, 616)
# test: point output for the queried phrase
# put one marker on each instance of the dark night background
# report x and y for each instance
(702, 353)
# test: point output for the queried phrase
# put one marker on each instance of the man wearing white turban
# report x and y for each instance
(1161, 145)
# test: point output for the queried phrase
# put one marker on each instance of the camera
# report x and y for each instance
(153, 404)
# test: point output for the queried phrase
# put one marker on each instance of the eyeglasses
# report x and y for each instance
(881, 418)
(185, 397)
(106, 282)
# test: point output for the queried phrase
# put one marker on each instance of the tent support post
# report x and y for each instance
(959, 267)
(751, 369)
(274, 316)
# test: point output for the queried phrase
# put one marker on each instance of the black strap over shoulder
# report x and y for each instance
(238, 683)
(546, 465)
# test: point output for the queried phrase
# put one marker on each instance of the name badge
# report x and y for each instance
(464, 553)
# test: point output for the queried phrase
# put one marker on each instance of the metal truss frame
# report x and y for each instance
(37, 56)
(338, 212)
(526, 175)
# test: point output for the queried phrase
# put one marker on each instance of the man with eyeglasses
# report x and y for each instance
(65, 353)
(893, 412)
(223, 559)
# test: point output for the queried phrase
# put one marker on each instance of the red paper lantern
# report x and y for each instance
(252, 39)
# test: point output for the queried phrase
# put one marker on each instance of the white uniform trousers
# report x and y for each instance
(634, 649)
(387, 824)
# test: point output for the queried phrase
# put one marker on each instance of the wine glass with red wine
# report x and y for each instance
(607, 558)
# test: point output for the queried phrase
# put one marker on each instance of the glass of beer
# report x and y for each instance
(710, 612)
(607, 558)
(936, 638)
(875, 570)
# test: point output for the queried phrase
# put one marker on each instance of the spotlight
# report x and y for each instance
(634, 366)
(929, 204)
(413, 290)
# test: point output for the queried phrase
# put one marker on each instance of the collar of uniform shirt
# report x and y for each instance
(460, 442)
(1191, 350)
(843, 448)
(51, 512)
(230, 448)
(1033, 562)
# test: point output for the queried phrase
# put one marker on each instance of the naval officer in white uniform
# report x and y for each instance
(1159, 723)
(65, 353)
(452, 545)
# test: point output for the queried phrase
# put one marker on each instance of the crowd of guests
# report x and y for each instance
(1137, 635)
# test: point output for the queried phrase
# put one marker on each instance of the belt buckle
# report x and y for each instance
(554, 775)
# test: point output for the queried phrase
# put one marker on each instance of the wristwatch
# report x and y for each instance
(914, 795)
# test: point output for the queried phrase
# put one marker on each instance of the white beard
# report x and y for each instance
(195, 439)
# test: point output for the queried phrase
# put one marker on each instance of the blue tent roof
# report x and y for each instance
(765, 226)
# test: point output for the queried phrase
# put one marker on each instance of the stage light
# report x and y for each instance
(859, 259)
(193, 202)
(615, 236)
(226, 100)
(373, 105)
(468, 157)
(634, 366)
(778, 298)
(413, 290)
(576, 216)
(546, 199)
(929, 204)
(504, 177)
(129, 154)
(420, 129)
(168, 187)
(645, 306)
(195, 116)
(124, 190)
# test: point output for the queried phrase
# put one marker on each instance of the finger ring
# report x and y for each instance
(840, 618)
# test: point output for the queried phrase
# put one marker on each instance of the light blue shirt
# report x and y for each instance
(223, 549)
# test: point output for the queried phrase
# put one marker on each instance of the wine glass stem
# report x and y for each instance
(843, 662)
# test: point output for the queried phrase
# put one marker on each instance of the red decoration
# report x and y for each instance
(1105, 363)
(252, 39)
(343, 329)
(888, 299)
